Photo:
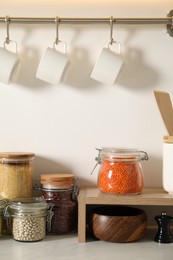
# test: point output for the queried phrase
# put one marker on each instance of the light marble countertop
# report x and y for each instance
(67, 247)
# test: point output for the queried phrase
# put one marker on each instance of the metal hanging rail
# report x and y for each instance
(49, 20)
(44, 20)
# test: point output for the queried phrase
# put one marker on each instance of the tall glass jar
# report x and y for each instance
(27, 217)
(16, 175)
(120, 170)
(60, 192)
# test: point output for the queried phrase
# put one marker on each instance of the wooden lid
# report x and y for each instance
(168, 139)
(57, 176)
(16, 155)
(58, 179)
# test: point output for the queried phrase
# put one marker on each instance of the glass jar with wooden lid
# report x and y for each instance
(27, 218)
(120, 170)
(16, 174)
(60, 191)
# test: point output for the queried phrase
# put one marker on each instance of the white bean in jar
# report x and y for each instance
(29, 229)
(27, 217)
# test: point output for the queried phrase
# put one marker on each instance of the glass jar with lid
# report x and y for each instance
(60, 191)
(16, 175)
(27, 217)
(120, 170)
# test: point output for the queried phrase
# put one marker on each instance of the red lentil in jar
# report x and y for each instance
(120, 171)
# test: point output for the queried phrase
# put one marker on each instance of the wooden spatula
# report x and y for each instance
(165, 106)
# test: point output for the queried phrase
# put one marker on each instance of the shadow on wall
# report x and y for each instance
(45, 165)
(78, 74)
(81, 66)
(82, 182)
(29, 63)
(80, 70)
(152, 170)
(136, 73)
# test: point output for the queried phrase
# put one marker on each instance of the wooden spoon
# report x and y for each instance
(165, 106)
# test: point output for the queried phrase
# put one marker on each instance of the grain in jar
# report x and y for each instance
(16, 175)
(120, 170)
(28, 218)
(60, 192)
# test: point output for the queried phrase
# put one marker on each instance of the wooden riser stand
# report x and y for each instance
(92, 196)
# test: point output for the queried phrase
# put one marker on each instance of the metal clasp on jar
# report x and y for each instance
(97, 159)
(7, 216)
(145, 156)
(49, 216)
(75, 192)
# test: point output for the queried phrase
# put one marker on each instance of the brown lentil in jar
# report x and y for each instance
(59, 190)
(16, 175)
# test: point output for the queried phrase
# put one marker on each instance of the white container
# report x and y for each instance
(168, 164)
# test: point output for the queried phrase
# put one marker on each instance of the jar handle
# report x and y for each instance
(97, 159)
(49, 216)
(7, 215)
(145, 156)
(75, 192)
(6, 212)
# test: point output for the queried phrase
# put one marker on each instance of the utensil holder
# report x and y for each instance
(168, 164)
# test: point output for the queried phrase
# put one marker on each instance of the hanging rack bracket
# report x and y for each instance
(170, 26)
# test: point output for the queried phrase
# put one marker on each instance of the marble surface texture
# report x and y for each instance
(67, 247)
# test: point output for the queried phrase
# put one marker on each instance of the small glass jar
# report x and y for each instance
(120, 171)
(16, 175)
(60, 192)
(27, 217)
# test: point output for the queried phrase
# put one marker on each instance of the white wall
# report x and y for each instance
(63, 124)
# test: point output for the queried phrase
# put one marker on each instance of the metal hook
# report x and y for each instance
(111, 29)
(57, 21)
(7, 20)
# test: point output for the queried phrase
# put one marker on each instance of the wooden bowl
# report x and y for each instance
(118, 223)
